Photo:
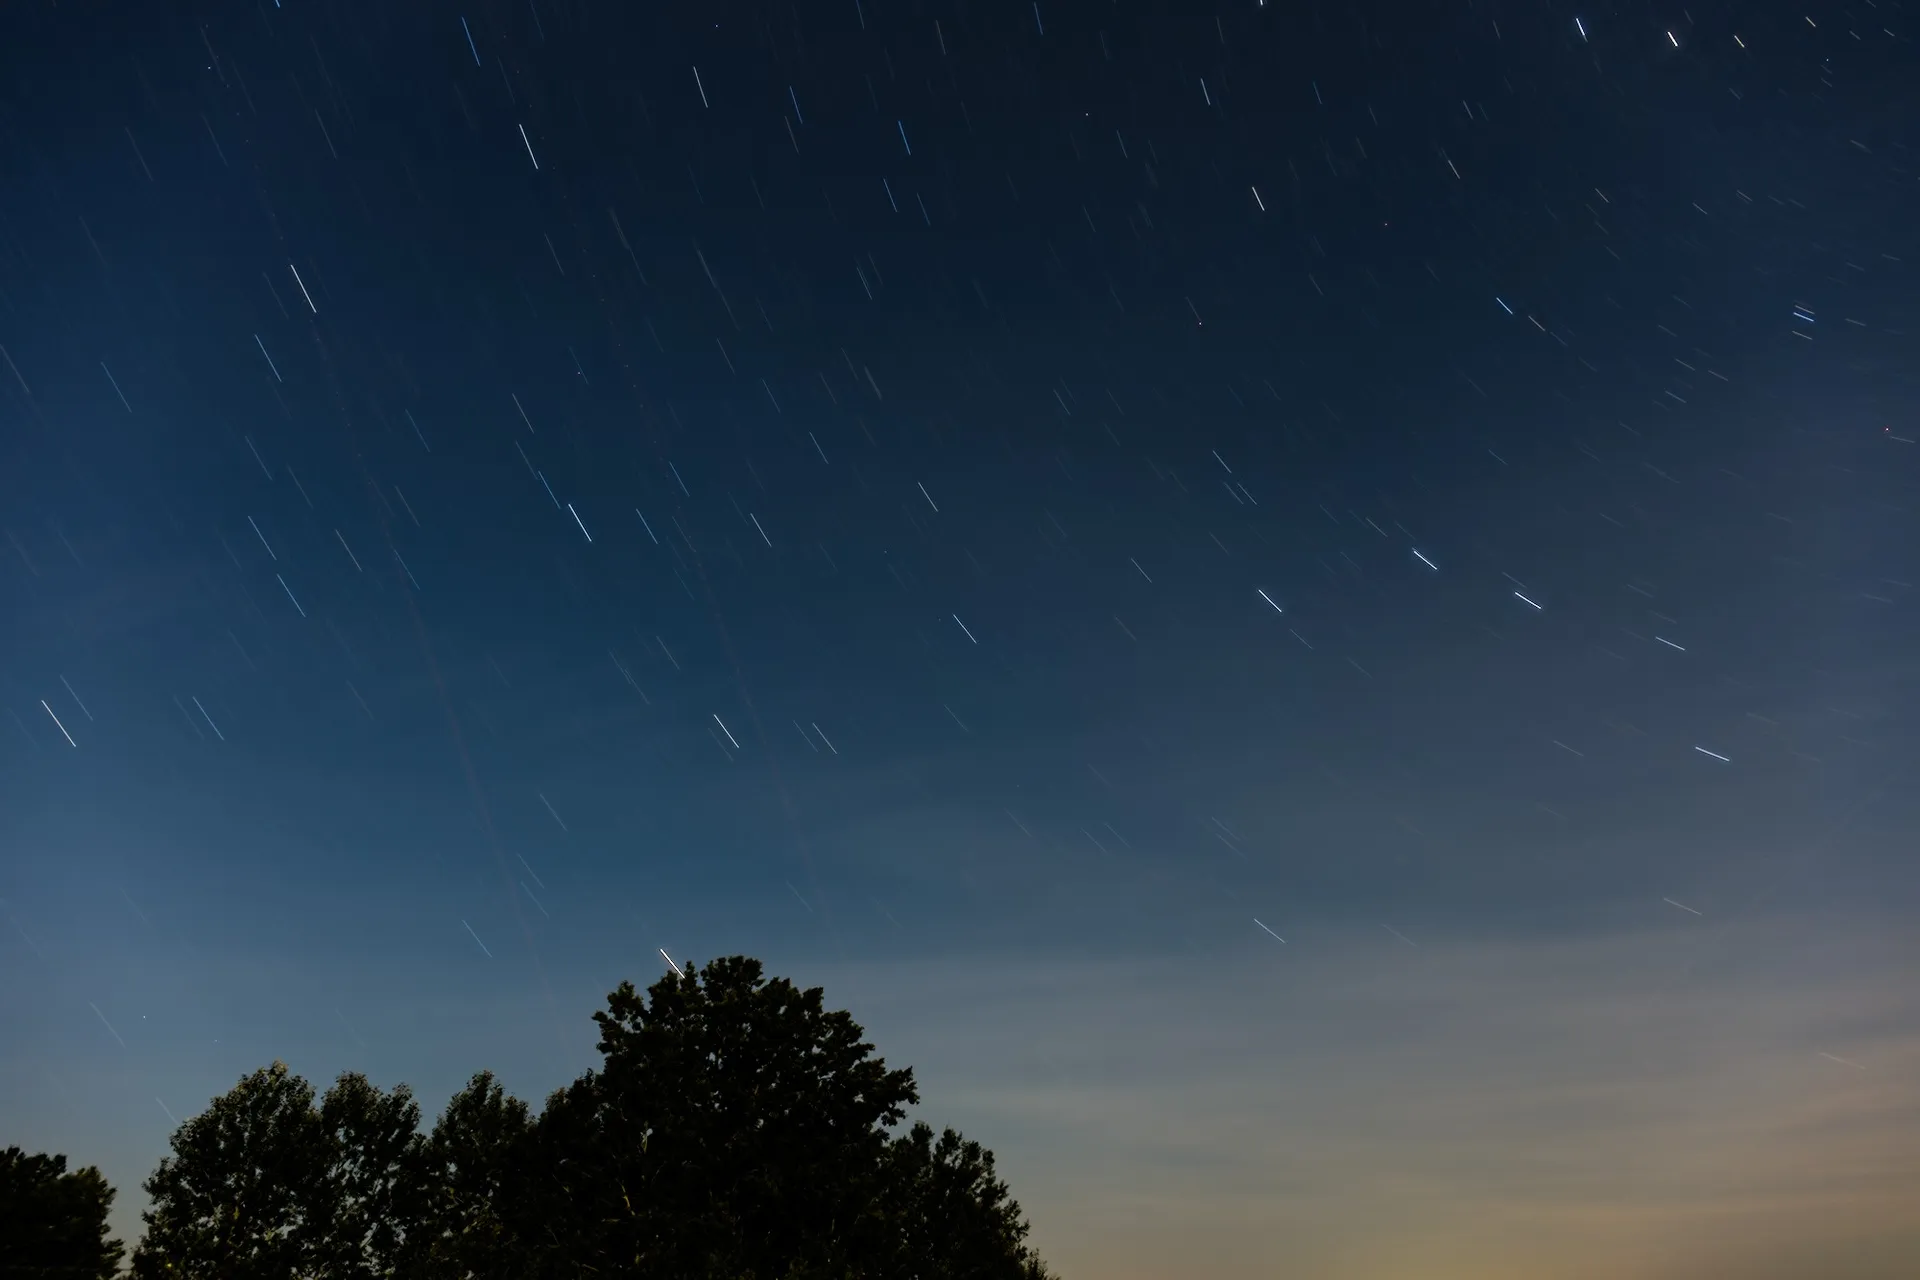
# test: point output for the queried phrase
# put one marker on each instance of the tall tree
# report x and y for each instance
(267, 1185)
(370, 1195)
(233, 1201)
(53, 1224)
(736, 1128)
(471, 1170)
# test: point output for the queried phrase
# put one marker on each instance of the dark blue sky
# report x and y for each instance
(1007, 513)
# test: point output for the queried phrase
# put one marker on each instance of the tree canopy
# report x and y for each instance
(735, 1129)
(53, 1224)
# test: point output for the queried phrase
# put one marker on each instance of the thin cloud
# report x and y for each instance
(1602, 1105)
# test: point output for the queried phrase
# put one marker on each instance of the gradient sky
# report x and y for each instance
(1311, 613)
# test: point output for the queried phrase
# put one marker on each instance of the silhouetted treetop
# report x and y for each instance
(735, 1129)
(53, 1224)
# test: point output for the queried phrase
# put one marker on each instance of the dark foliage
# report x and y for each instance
(472, 1206)
(735, 1130)
(265, 1185)
(53, 1224)
(951, 1219)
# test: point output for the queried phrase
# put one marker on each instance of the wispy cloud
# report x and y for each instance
(1650, 1102)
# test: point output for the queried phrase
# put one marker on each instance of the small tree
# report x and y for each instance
(53, 1224)
(953, 1219)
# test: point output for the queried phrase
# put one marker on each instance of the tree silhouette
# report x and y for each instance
(53, 1224)
(471, 1171)
(735, 1130)
(233, 1201)
(264, 1185)
(953, 1220)
(370, 1189)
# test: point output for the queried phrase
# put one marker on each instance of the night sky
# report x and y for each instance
(1309, 610)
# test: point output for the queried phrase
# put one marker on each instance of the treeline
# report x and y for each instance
(735, 1130)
